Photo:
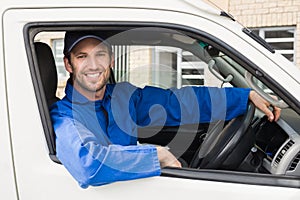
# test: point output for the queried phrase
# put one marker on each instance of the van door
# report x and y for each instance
(37, 176)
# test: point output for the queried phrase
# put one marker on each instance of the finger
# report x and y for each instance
(177, 164)
(277, 112)
(268, 113)
(271, 117)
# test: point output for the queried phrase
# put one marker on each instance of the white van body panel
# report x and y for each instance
(7, 183)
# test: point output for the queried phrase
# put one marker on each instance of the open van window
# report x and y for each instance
(144, 55)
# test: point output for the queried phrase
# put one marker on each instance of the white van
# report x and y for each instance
(170, 43)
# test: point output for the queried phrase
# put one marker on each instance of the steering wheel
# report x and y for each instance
(225, 148)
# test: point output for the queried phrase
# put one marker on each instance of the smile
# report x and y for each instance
(93, 75)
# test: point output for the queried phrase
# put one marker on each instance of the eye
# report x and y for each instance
(101, 54)
(81, 56)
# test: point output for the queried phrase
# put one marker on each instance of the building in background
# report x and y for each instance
(277, 21)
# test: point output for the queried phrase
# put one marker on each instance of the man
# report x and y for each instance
(96, 123)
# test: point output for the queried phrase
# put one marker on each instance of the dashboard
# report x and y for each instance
(280, 142)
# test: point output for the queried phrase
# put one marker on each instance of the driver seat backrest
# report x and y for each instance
(48, 72)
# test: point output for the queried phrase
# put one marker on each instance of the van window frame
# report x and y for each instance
(31, 29)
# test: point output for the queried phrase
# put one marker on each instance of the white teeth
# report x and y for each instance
(93, 75)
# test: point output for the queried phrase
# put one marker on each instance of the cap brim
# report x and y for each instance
(82, 38)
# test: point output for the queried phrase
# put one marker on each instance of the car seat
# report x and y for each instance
(48, 72)
(48, 75)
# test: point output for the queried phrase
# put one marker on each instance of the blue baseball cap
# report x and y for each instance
(72, 38)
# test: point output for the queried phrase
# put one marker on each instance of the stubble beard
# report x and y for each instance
(92, 89)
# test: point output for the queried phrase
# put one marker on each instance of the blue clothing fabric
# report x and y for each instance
(97, 140)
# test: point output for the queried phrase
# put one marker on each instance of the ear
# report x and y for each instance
(68, 66)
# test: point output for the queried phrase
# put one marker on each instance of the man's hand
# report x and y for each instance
(264, 105)
(166, 158)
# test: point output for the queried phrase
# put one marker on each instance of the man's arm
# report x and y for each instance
(197, 104)
(189, 105)
(92, 163)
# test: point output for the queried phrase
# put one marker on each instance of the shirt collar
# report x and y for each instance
(75, 97)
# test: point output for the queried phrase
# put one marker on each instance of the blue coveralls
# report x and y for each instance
(97, 140)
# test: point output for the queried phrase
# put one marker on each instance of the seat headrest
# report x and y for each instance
(48, 72)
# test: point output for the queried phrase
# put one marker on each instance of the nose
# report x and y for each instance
(92, 63)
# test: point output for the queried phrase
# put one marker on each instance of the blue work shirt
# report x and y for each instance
(97, 140)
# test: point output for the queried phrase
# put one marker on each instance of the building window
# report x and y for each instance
(282, 39)
(58, 45)
(121, 59)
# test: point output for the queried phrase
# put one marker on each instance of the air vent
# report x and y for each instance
(282, 152)
(295, 162)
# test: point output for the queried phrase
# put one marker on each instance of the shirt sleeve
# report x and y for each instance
(173, 107)
(92, 163)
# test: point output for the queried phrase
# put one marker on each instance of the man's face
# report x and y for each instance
(90, 63)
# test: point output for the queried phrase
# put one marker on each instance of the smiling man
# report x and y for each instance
(90, 63)
(96, 123)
